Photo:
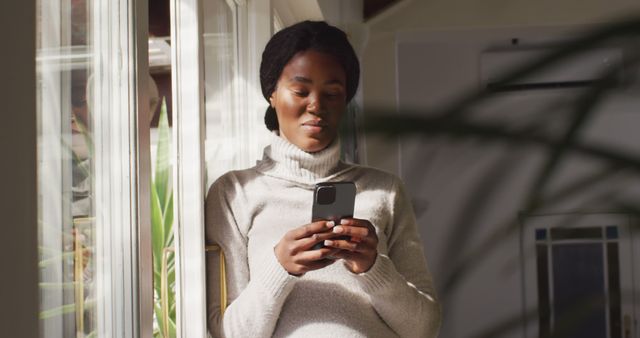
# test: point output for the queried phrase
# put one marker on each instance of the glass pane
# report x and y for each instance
(615, 297)
(65, 173)
(220, 69)
(558, 234)
(544, 306)
(162, 230)
(579, 290)
(164, 280)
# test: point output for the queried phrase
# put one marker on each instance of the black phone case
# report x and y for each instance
(342, 207)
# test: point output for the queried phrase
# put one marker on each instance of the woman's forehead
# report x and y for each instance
(311, 66)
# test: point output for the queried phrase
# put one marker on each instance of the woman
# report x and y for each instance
(373, 284)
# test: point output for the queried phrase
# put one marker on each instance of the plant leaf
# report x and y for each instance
(168, 220)
(157, 230)
(161, 177)
(67, 308)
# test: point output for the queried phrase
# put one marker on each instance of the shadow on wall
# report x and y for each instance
(456, 123)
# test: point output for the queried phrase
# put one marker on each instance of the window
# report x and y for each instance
(221, 88)
(219, 126)
(577, 261)
(93, 184)
(92, 170)
(234, 106)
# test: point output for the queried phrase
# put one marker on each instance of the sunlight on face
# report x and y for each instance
(310, 99)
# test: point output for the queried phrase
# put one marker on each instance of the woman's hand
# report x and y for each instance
(361, 251)
(293, 251)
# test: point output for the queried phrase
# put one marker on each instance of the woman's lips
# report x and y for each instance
(314, 126)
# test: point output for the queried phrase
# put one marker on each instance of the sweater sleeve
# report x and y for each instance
(254, 301)
(399, 284)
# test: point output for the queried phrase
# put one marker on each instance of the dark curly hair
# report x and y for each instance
(306, 35)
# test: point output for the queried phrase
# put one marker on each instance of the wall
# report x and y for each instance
(474, 187)
(291, 11)
(471, 194)
(379, 63)
(19, 240)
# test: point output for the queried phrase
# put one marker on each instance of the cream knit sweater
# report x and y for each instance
(248, 212)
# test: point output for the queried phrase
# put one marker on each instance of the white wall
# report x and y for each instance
(293, 11)
(466, 191)
(378, 58)
(447, 179)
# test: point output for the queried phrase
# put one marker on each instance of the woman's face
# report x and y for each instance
(309, 99)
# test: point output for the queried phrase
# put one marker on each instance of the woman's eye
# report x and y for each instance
(300, 93)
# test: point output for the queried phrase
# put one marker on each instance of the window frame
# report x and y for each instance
(187, 75)
(123, 196)
(120, 116)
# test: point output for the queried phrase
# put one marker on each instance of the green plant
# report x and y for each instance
(79, 255)
(162, 234)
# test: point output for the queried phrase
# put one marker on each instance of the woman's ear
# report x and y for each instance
(271, 100)
(273, 97)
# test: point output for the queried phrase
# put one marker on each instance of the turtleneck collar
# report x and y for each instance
(285, 160)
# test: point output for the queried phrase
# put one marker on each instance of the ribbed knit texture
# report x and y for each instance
(285, 160)
(248, 212)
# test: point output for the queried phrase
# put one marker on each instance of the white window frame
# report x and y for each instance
(254, 30)
(122, 187)
(187, 74)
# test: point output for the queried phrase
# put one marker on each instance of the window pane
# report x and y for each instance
(65, 210)
(579, 290)
(220, 70)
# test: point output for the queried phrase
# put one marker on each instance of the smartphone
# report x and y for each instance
(333, 201)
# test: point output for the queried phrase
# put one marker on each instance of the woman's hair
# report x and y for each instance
(307, 35)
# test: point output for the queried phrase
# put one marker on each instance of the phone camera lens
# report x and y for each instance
(326, 195)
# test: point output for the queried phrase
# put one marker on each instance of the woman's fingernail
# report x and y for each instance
(330, 224)
(344, 221)
(328, 242)
(338, 229)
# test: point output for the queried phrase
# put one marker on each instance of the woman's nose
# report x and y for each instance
(315, 105)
